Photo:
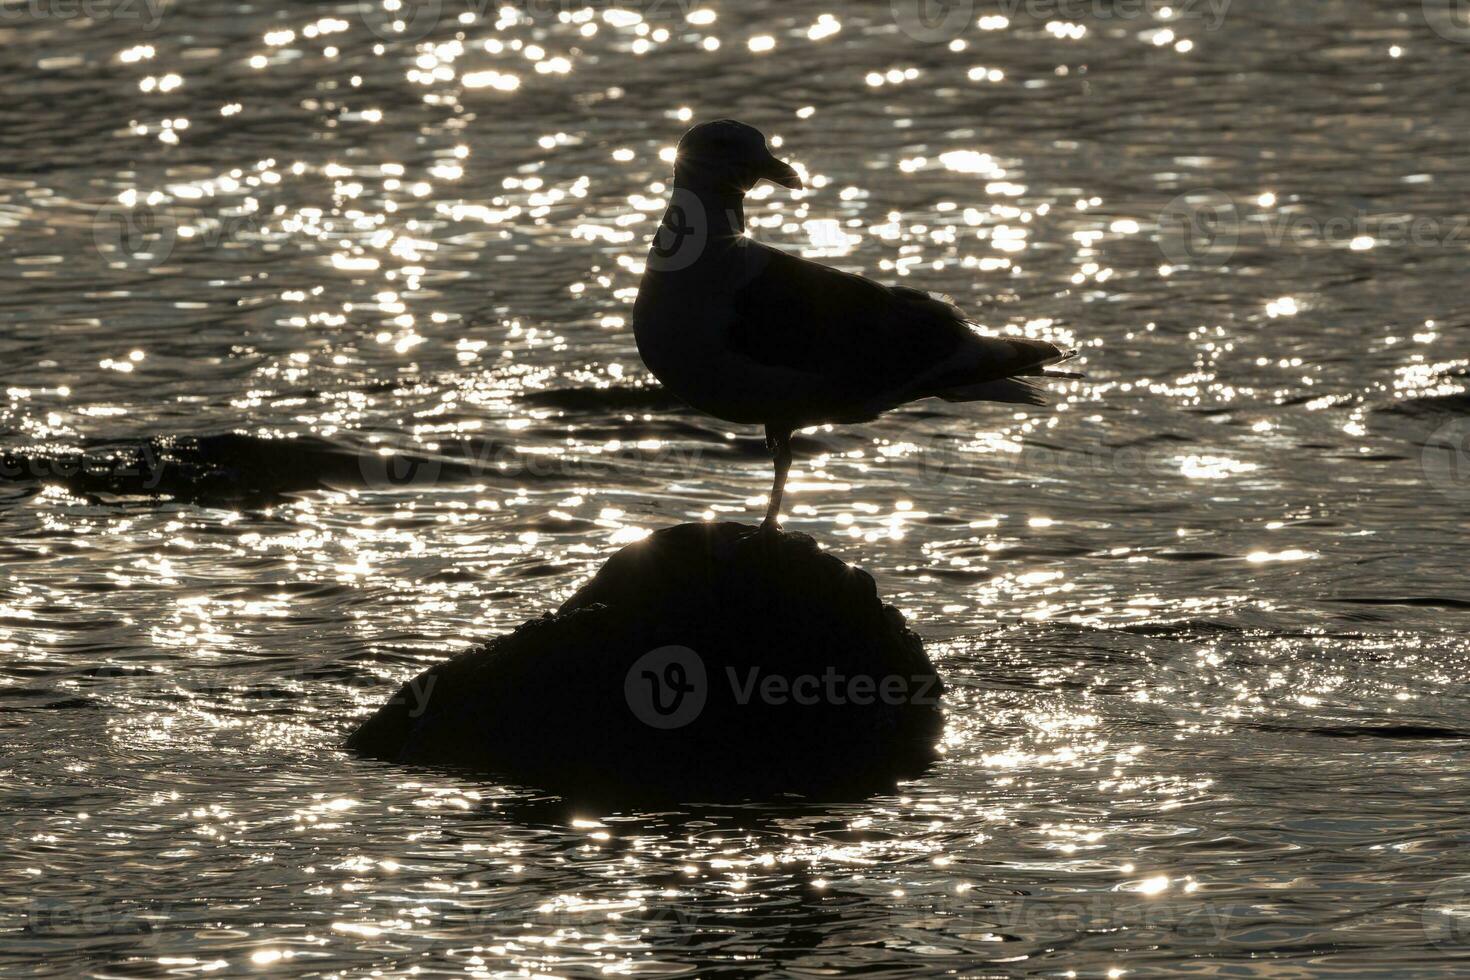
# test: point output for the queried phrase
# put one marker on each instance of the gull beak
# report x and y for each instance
(782, 174)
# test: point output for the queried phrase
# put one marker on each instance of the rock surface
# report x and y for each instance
(703, 663)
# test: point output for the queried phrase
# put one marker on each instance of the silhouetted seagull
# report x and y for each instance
(751, 334)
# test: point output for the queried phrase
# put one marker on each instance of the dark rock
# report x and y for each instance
(706, 662)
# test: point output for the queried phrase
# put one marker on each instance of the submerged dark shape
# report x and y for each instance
(708, 662)
(209, 467)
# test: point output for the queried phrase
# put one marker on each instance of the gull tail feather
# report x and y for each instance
(1015, 391)
(1045, 370)
(1074, 375)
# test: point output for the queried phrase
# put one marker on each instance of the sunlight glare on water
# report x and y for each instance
(319, 325)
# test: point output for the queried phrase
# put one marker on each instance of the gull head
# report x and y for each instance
(730, 156)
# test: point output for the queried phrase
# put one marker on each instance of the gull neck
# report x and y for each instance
(724, 208)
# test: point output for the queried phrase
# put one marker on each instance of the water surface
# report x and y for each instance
(1203, 619)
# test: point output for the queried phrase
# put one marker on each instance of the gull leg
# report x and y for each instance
(779, 442)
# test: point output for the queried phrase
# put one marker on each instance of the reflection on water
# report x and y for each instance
(317, 330)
